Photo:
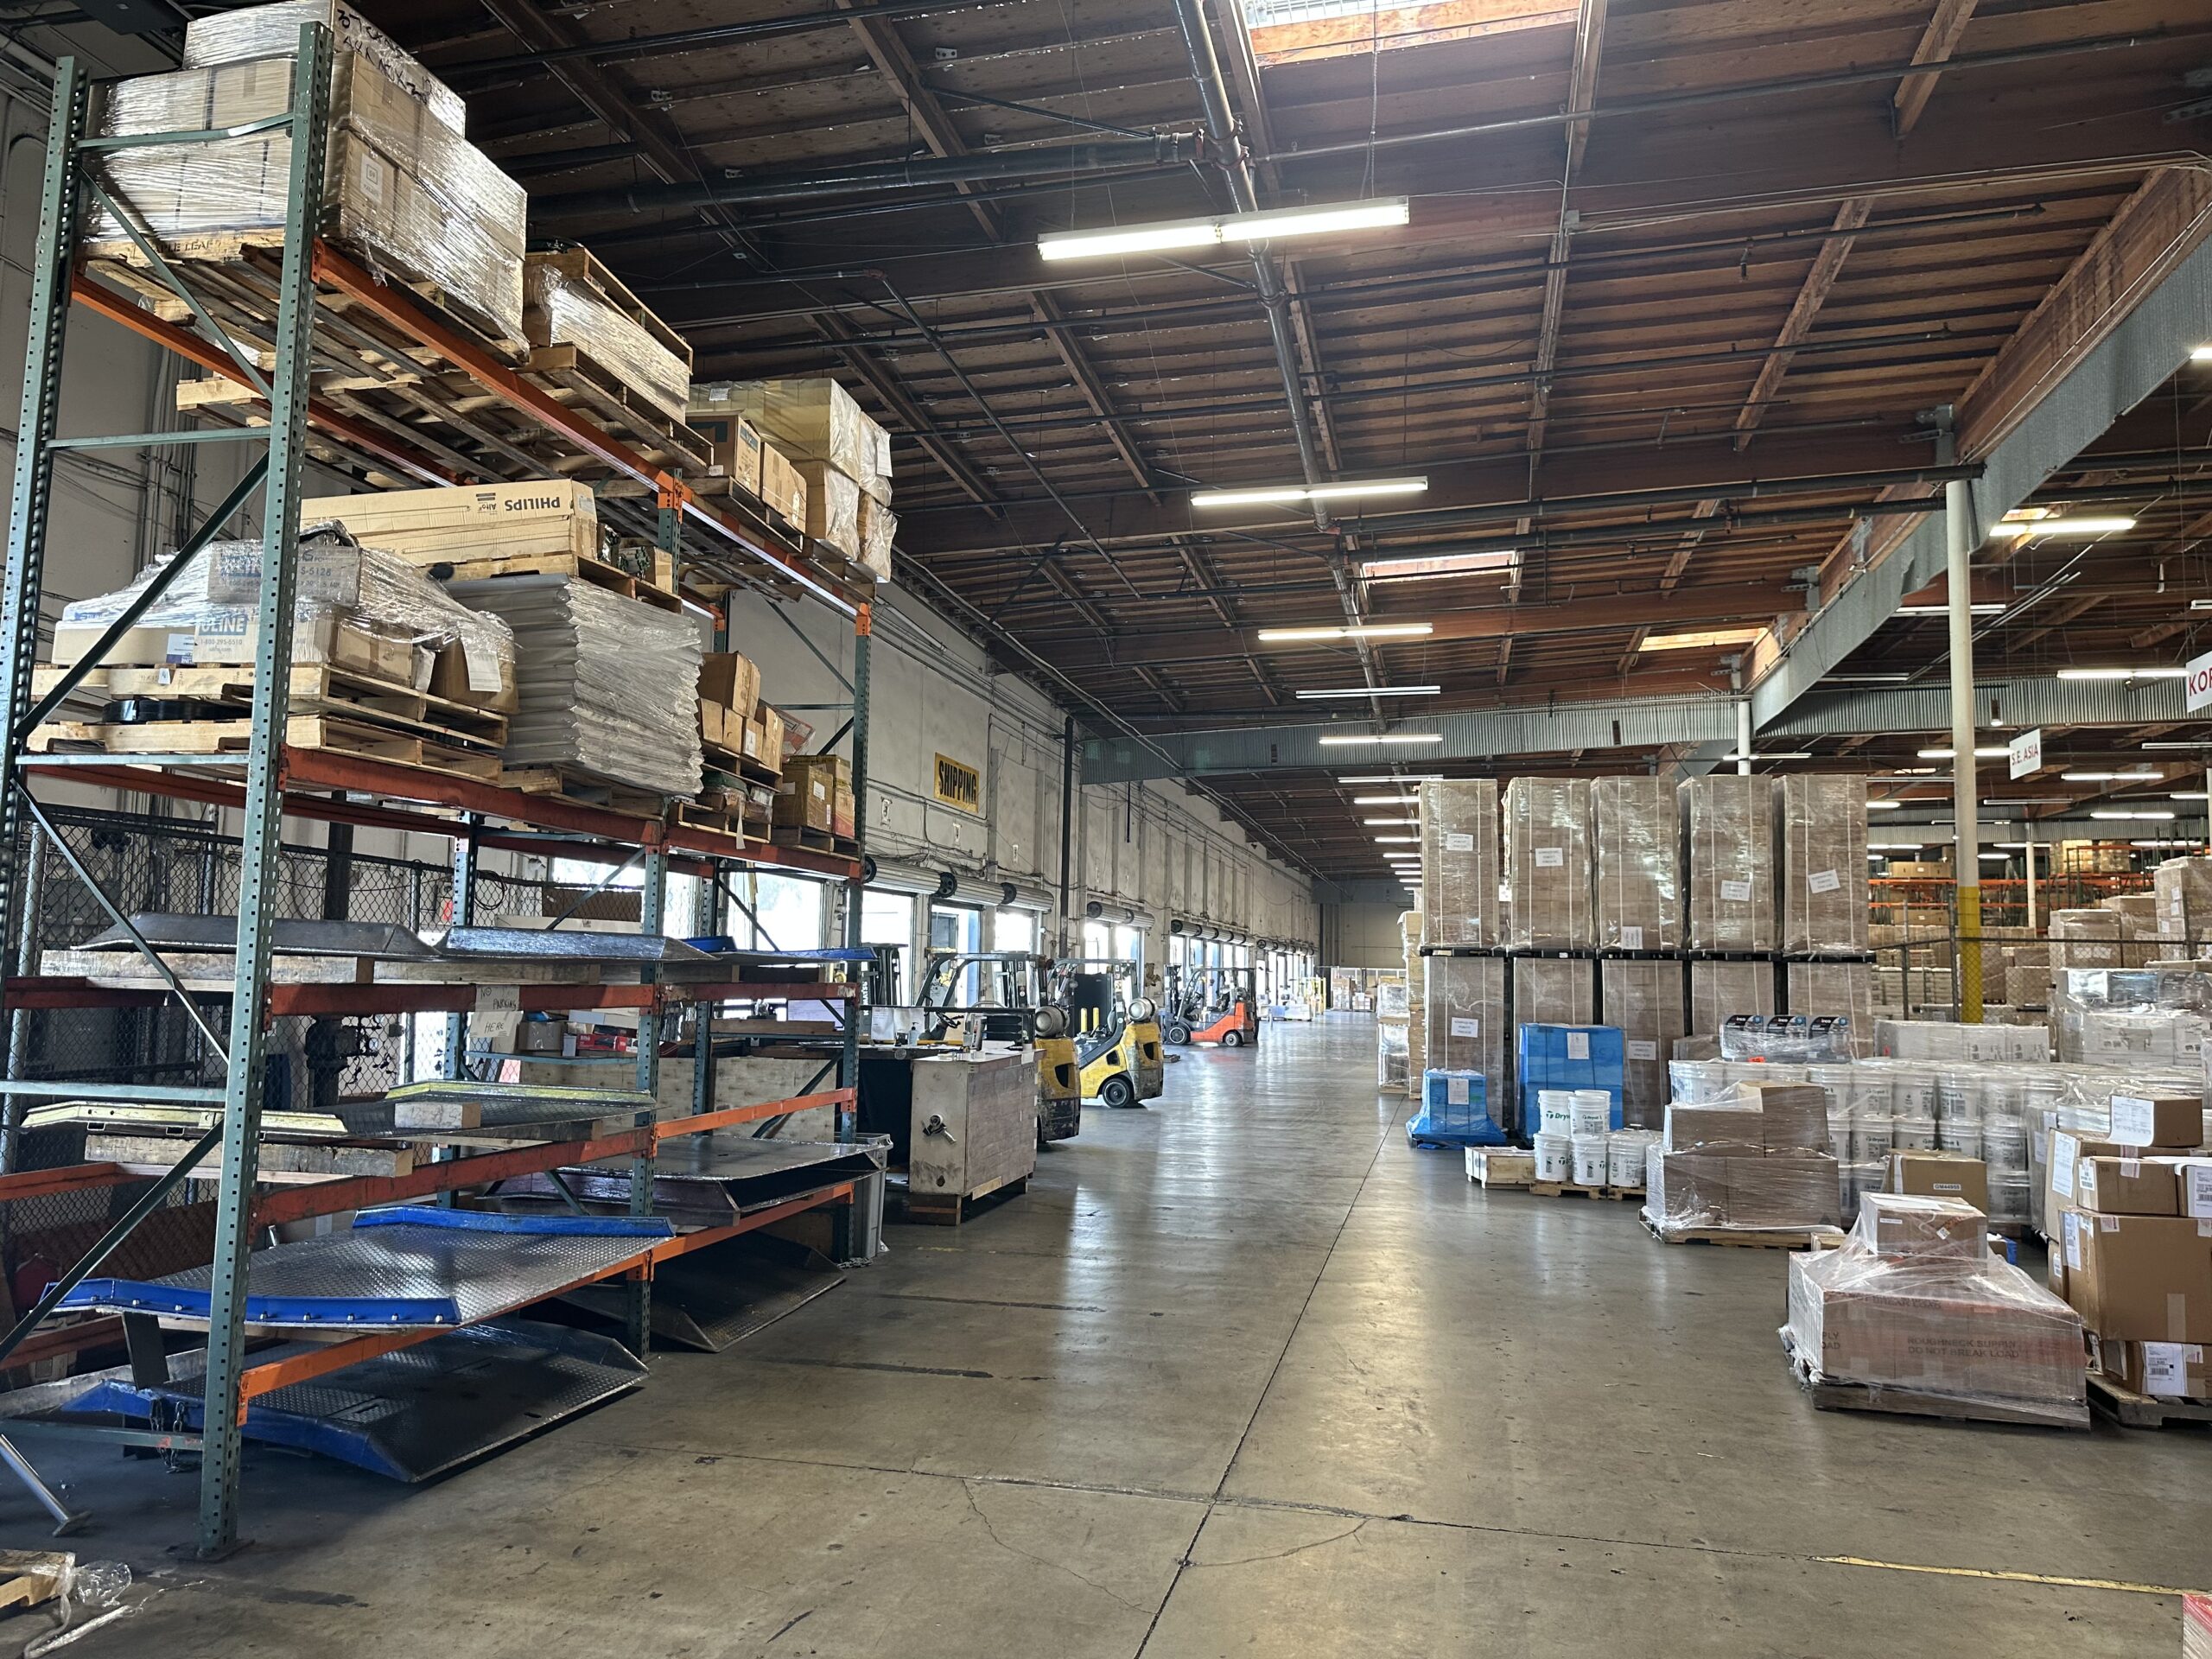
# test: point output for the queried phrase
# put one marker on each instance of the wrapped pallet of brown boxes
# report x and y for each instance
(1638, 850)
(1466, 1019)
(1644, 998)
(1823, 868)
(2183, 889)
(817, 795)
(580, 316)
(1554, 991)
(1759, 1162)
(1416, 966)
(841, 456)
(1721, 988)
(1834, 988)
(404, 192)
(1729, 837)
(1459, 872)
(1546, 841)
(472, 528)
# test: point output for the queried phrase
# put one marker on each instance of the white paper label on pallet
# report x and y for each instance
(2196, 1191)
(1466, 1027)
(480, 661)
(1632, 939)
(1459, 841)
(2131, 1121)
(1455, 1091)
(498, 999)
(2073, 1242)
(1735, 892)
(1578, 1044)
(1638, 1049)
(1504, 893)
(1820, 881)
(371, 176)
(1550, 858)
(2165, 1367)
(179, 648)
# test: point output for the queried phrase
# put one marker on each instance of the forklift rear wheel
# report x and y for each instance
(1178, 1035)
(1232, 1040)
(1118, 1092)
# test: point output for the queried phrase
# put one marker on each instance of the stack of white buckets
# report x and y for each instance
(1576, 1144)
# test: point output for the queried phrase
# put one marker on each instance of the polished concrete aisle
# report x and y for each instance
(1241, 1374)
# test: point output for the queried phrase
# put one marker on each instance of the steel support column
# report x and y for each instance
(1962, 538)
(264, 830)
(848, 1064)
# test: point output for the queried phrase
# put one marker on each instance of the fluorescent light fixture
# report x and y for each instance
(2201, 354)
(2161, 673)
(1294, 494)
(1793, 756)
(1984, 609)
(1999, 857)
(1702, 640)
(1323, 219)
(1338, 738)
(1398, 824)
(1353, 630)
(1391, 778)
(2189, 795)
(1883, 806)
(1386, 840)
(1993, 752)
(1381, 800)
(1372, 691)
(2110, 776)
(2154, 816)
(2179, 743)
(1865, 679)
(1896, 846)
(2085, 524)
(1441, 565)
(2165, 843)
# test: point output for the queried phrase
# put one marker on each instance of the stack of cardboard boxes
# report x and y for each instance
(1759, 1162)
(817, 799)
(813, 432)
(742, 738)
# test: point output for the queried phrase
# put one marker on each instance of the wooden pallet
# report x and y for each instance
(598, 572)
(1828, 1395)
(583, 786)
(2132, 1410)
(1771, 1238)
(334, 735)
(951, 1210)
(1509, 1172)
(316, 688)
(572, 375)
(792, 835)
(1575, 1190)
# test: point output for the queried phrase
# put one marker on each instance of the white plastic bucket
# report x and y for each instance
(1590, 1159)
(1624, 1157)
(1870, 1135)
(1954, 1136)
(1554, 1158)
(1594, 1111)
(1555, 1111)
(2005, 1146)
(1915, 1133)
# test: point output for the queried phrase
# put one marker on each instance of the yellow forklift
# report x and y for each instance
(998, 995)
(1116, 1030)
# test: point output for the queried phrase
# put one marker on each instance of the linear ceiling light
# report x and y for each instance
(1355, 631)
(1292, 494)
(1389, 840)
(1381, 800)
(1865, 679)
(2087, 525)
(1440, 566)
(1391, 778)
(2160, 673)
(1985, 609)
(2189, 795)
(1372, 691)
(1381, 737)
(1796, 755)
(2165, 843)
(1994, 752)
(2160, 816)
(1269, 226)
(1883, 806)
(2110, 776)
(1395, 824)
(1699, 641)
(2201, 354)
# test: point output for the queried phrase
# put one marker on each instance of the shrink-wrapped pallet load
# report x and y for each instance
(570, 300)
(1823, 874)
(1459, 870)
(1467, 1019)
(1644, 998)
(1638, 839)
(1728, 822)
(1546, 841)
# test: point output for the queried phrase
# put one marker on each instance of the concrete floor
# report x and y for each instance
(1240, 1374)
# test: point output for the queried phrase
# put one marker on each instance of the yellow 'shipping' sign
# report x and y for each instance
(959, 785)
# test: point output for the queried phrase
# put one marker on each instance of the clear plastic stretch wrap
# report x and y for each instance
(1392, 998)
(1729, 822)
(209, 614)
(1554, 991)
(1823, 876)
(2147, 1016)
(1639, 839)
(403, 191)
(1644, 998)
(610, 686)
(562, 305)
(1951, 1040)
(1914, 1303)
(2092, 937)
(1780, 1039)
(1460, 869)
(2183, 888)
(1416, 1000)
(1466, 1024)
(1547, 855)
(1689, 1193)
(1721, 988)
(879, 535)
(833, 507)
(273, 31)
(1835, 988)
(809, 420)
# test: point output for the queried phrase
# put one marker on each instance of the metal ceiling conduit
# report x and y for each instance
(1166, 150)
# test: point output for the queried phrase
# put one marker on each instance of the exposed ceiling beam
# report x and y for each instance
(1581, 95)
(1937, 41)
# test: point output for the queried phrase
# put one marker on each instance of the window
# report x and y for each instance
(888, 918)
(958, 928)
(790, 911)
(1097, 941)
(1013, 930)
(1128, 943)
(1303, 31)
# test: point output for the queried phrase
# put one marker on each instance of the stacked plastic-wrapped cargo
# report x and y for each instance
(1823, 871)
(1720, 988)
(609, 685)
(1915, 1305)
(1390, 1035)
(354, 607)
(404, 191)
(1467, 1025)
(1637, 839)
(570, 300)
(1546, 856)
(1645, 997)
(2132, 1016)
(1728, 823)
(1834, 988)
(1756, 1161)
(1459, 870)
(1416, 1000)
(2183, 890)
(841, 454)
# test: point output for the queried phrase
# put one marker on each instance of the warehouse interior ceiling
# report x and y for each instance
(1682, 292)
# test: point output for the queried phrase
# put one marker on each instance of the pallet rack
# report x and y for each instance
(317, 303)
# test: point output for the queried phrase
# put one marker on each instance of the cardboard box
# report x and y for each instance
(451, 525)
(2144, 1278)
(878, 528)
(1728, 825)
(1460, 869)
(844, 813)
(804, 801)
(2176, 1121)
(1718, 1131)
(833, 507)
(2195, 1183)
(1547, 904)
(1823, 865)
(710, 724)
(1940, 1175)
(1637, 842)
(813, 419)
(783, 489)
(1797, 1188)
(772, 737)
(1921, 1227)
(729, 678)
(1554, 991)
(2128, 1187)
(835, 770)
(733, 448)
(1793, 1116)
(1721, 988)
(2067, 1149)
(2165, 1370)
(450, 678)
(1644, 998)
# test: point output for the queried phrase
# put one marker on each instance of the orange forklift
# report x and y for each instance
(1214, 1005)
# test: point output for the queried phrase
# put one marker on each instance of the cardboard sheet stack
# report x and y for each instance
(1460, 869)
(1759, 1161)
(1914, 1306)
(1466, 1025)
(1554, 991)
(1546, 841)
(1721, 988)
(1644, 998)
(1639, 872)
(609, 685)
(1416, 1000)
(1823, 876)
(1728, 827)
(570, 299)
(2182, 889)
(841, 456)
(1843, 988)
(404, 192)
